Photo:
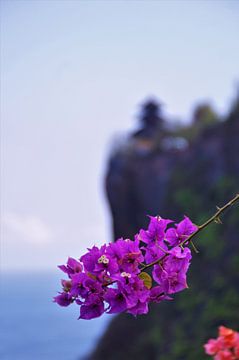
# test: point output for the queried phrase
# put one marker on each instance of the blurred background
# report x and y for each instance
(112, 110)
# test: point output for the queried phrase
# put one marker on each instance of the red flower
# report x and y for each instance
(213, 346)
(224, 355)
(229, 336)
(225, 347)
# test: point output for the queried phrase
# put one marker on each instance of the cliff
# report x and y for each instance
(171, 173)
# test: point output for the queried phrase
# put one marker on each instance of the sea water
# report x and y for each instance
(32, 327)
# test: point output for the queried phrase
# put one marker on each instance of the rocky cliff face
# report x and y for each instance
(158, 172)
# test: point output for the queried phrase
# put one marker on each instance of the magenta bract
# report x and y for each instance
(112, 278)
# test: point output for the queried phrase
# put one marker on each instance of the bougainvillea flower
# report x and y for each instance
(170, 281)
(155, 231)
(157, 294)
(116, 300)
(66, 284)
(92, 308)
(154, 252)
(213, 346)
(224, 355)
(63, 299)
(82, 285)
(140, 308)
(72, 266)
(229, 336)
(96, 260)
(175, 236)
(236, 348)
(178, 259)
(127, 254)
(171, 273)
(134, 292)
(90, 259)
(225, 347)
(111, 278)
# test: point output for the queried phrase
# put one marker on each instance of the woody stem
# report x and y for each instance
(200, 228)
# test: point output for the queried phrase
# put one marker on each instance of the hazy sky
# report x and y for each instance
(73, 74)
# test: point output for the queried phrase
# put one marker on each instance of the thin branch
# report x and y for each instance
(213, 218)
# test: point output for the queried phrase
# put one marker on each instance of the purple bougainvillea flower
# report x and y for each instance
(186, 227)
(171, 275)
(96, 260)
(134, 291)
(90, 259)
(72, 266)
(92, 308)
(176, 281)
(157, 294)
(170, 281)
(116, 300)
(154, 251)
(178, 259)
(66, 284)
(110, 278)
(161, 277)
(63, 299)
(79, 285)
(155, 231)
(175, 236)
(94, 286)
(127, 254)
(139, 309)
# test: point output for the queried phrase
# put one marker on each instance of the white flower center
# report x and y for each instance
(103, 260)
(125, 274)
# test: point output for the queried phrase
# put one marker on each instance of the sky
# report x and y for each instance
(73, 76)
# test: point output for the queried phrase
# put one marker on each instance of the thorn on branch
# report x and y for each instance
(194, 247)
(218, 220)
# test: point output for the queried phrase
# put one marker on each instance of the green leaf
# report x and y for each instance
(146, 279)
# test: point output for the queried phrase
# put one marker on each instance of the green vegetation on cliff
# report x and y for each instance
(171, 183)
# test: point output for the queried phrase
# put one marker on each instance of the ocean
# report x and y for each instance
(32, 327)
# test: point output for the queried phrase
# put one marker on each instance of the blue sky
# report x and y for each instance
(73, 75)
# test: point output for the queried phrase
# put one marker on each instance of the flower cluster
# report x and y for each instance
(113, 279)
(225, 347)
